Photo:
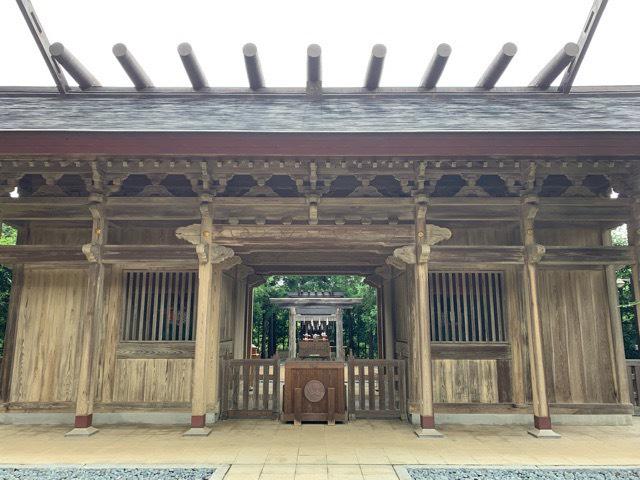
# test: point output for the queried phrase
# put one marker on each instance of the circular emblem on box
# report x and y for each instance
(314, 391)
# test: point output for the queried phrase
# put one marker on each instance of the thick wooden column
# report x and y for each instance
(94, 306)
(416, 256)
(533, 255)
(206, 359)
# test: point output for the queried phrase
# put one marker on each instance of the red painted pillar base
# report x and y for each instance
(83, 421)
(427, 422)
(542, 428)
(198, 421)
(427, 428)
(542, 423)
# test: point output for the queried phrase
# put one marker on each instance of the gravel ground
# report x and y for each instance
(77, 473)
(424, 473)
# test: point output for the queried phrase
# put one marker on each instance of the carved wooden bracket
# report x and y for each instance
(190, 233)
(407, 254)
(534, 253)
(92, 252)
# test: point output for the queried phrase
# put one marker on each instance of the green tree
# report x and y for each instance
(360, 322)
(9, 237)
(626, 299)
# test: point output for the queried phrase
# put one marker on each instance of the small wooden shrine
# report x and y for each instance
(310, 316)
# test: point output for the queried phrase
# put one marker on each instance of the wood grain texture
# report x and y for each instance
(155, 380)
(576, 338)
(465, 381)
(47, 350)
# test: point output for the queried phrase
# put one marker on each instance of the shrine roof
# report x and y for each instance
(349, 112)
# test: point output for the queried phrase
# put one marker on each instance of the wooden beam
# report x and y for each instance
(558, 63)
(132, 68)
(379, 144)
(72, 65)
(252, 64)
(558, 255)
(40, 37)
(460, 255)
(314, 69)
(595, 14)
(42, 254)
(374, 69)
(497, 67)
(192, 66)
(436, 67)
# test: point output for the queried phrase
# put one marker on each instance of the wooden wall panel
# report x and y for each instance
(143, 236)
(152, 381)
(465, 381)
(575, 336)
(47, 353)
(63, 235)
(505, 234)
(574, 236)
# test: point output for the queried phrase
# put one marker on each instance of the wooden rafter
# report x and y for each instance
(595, 14)
(42, 41)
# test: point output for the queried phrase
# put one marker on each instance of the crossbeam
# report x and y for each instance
(497, 67)
(192, 66)
(314, 68)
(558, 63)
(374, 70)
(436, 67)
(252, 64)
(131, 67)
(72, 65)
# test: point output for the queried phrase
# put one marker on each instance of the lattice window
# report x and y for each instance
(159, 306)
(467, 307)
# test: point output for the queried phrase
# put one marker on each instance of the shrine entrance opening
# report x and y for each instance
(316, 317)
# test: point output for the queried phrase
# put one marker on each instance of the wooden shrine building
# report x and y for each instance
(482, 215)
(314, 311)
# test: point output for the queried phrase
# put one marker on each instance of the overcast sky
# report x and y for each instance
(346, 30)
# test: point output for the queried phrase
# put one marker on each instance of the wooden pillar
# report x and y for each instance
(206, 366)
(387, 317)
(292, 333)
(94, 306)
(339, 336)
(533, 255)
(417, 255)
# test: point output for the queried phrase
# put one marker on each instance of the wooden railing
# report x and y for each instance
(633, 372)
(250, 388)
(376, 388)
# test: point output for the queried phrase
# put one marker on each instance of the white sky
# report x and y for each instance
(346, 30)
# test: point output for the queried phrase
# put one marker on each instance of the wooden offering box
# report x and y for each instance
(314, 392)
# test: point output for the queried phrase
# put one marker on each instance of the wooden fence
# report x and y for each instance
(250, 388)
(376, 388)
(633, 371)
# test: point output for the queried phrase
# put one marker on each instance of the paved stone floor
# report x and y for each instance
(359, 450)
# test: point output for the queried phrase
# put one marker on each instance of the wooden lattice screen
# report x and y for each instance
(159, 306)
(467, 307)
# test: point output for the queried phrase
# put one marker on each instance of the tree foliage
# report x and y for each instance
(360, 322)
(626, 299)
(9, 236)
